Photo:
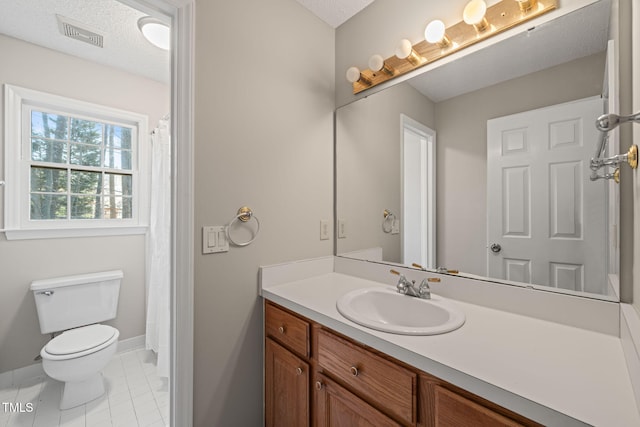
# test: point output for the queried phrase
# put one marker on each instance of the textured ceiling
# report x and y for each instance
(124, 47)
(335, 12)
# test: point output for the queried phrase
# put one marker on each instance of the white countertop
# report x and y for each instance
(552, 373)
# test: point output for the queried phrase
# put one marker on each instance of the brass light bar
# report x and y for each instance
(501, 17)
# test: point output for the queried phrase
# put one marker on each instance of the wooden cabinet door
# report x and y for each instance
(453, 410)
(286, 388)
(336, 407)
(443, 405)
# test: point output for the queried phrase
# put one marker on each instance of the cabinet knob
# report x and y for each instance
(354, 371)
(299, 371)
(318, 385)
(281, 329)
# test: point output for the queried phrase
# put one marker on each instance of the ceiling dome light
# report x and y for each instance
(155, 31)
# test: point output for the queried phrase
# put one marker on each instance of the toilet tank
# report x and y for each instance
(72, 301)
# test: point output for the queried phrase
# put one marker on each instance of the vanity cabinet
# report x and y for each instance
(287, 373)
(315, 376)
(444, 405)
(387, 385)
(336, 406)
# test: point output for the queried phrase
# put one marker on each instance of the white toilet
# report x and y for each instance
(75, 305)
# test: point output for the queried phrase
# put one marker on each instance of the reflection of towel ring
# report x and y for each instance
(387, 223)
(244, 215)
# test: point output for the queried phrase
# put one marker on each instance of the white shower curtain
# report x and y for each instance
(158, 248)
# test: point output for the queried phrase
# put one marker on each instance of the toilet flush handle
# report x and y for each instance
(47, 293)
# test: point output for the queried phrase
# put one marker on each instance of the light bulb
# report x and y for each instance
(377, 63)
(354, 75)
(404, 50)
(473, 14)
(435, 33)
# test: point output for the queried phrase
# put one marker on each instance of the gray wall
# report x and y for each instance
(264, 125)
(21, 262)
(368, 165)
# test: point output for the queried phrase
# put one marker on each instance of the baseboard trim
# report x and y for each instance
(130, 344)
(21, 375)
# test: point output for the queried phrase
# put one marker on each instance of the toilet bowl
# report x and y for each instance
(76, 358)
(75, 305)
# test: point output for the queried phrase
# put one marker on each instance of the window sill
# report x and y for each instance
(58, 233)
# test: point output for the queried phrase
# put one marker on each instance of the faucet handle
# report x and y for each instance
(434, 280)
(424, 291)
(397, 273)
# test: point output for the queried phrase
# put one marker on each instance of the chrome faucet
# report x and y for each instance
(409, 288)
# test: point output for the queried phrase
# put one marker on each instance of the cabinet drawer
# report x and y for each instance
(388, 386)
(289, 330)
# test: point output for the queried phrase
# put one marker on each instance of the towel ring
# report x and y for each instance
(387, 223)
(244, 214)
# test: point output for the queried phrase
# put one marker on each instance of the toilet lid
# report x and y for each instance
(80, 339)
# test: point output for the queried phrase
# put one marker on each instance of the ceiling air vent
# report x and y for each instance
(78, 31)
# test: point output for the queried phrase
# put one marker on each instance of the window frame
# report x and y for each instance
(19, 102)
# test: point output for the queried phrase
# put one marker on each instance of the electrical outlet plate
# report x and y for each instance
(342, 228)
(324, 229)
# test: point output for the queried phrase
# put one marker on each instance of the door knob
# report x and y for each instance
(495, 248)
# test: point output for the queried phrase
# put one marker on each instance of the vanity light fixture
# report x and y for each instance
(474, 14)
(435, 33)
(404, 50)
(527, 5)
(377, 63)
(441, 41)
(155, 31)
(355, 76)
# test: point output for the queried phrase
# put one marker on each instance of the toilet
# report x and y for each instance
(74, 305)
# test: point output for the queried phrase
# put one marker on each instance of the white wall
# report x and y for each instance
(264, 135)
(21, 262)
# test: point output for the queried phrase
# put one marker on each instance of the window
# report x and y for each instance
(73, 168)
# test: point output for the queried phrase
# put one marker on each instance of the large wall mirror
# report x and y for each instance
(480, 167)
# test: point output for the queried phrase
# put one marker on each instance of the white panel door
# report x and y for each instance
(546, 219)
(418, 193)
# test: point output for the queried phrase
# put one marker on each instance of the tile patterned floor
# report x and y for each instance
(135, 397)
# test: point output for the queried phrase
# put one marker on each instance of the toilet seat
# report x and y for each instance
(80, 342)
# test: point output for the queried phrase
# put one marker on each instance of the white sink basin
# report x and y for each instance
(384, 309)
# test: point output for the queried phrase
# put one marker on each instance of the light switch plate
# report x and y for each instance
(214, 239)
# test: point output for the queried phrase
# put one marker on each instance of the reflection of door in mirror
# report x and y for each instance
(543, 211)
(418, 193)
